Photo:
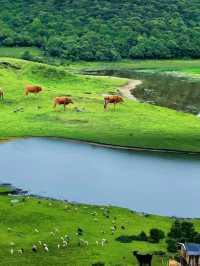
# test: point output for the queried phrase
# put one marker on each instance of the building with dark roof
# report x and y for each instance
(190, 254)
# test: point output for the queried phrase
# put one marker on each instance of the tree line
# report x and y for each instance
(103, 29)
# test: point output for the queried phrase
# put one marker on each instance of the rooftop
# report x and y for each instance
(192, 249)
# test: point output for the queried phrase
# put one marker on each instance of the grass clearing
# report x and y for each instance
(182, 66)
(30, 220)
(132, 124)
(17, 52)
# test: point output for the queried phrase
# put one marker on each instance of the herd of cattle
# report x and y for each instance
(66, 100)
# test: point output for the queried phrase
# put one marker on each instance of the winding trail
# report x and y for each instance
(125, 90)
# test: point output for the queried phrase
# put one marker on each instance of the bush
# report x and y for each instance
(172, 245)
(156, 235)
(181, 231)
(27, 56)
(142, 236)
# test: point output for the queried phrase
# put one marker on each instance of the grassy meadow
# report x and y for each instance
(133, 124)
(27, 220)
(30, 220)
(17, 52)
(191, 67)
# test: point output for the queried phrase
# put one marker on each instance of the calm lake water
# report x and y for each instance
(179, 93)
(167, 184)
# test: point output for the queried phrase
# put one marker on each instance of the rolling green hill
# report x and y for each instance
(133, 124)
(103, 30)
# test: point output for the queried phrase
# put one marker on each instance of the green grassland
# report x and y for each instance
(179, 66)
(30, 220)
(17, 52)
(183, 66)
(132, 124)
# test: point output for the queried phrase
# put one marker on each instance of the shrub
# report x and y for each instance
(156, 235)
(27, 56)
(172, 245)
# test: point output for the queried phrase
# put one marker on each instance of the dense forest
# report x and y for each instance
(103, 29)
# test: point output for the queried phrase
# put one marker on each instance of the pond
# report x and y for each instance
(159, 183)
(179, 93)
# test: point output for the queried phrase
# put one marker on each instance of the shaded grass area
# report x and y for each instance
(6, 189)
(186, 66)
(17, 52)
(132, 124)
(25, 221)
(29, 220)
(182, 66)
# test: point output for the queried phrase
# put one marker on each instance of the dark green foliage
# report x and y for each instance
(128, 239)
(156, 235)
(27, 56)
(142, 236)
(103, 30)
(98, 264)
(171, 245)
(182, 232)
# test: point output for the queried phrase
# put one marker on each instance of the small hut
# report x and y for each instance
(190, 254)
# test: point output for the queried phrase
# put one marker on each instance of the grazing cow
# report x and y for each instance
(1, 94)
(32, 89)
(112, 99)
(64, 100)
(143, 259)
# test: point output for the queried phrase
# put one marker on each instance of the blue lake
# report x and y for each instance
(159, 183)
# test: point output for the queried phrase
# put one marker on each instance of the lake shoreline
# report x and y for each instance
(127, 89)
(18, 192)
(105, 145)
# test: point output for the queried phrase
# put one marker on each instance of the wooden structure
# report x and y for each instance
(190, 254)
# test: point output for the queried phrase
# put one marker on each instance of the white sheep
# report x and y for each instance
(11, 251)
(20, 251)
(65, 243)
(46, 249)
(103, 241)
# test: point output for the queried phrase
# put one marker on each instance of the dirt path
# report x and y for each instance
(126, 89)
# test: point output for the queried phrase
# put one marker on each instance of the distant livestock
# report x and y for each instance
(1, 94)
(173, 263)
(112, 99)
(143, 259)
(62, 101)
(32, 89)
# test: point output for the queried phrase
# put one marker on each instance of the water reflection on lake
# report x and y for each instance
(166, 184)
(179, 93)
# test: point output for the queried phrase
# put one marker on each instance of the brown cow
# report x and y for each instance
(173, 263)
(112, 99)
(64, 100)
(1, 94)
(32, 89)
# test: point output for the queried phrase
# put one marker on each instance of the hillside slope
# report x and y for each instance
(132, 124)
(103, 30)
